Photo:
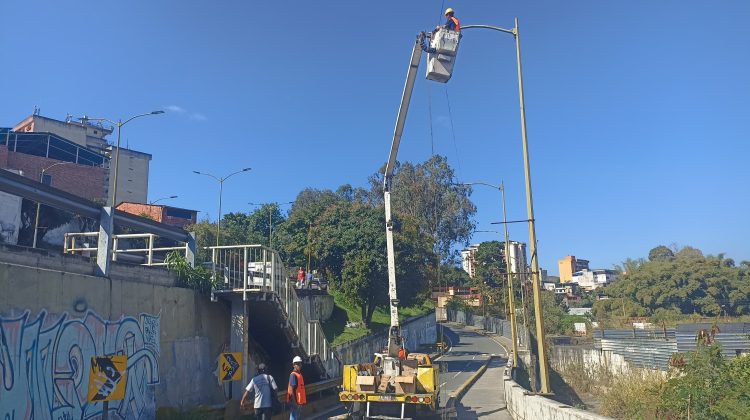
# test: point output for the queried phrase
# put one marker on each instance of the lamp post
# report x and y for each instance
(119, 125)
(38, 204)
(163, 198)
(270, 222)
(536, 281)
(511, 294)
(221, 191)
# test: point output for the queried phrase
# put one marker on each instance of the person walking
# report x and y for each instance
(263, 389)
(295, 391)
(300, 277)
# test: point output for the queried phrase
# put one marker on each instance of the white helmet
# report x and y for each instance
(297, 359)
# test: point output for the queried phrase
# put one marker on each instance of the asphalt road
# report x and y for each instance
(468, 351)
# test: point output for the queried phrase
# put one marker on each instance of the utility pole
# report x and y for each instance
(38, 204)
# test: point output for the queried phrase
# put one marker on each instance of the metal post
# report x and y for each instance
(511, 297)
(36, 221)
(117, 165)
(541, 345)
(106, 225)
(150, 249)
(218, 221)
(190, 249)
(114, 248)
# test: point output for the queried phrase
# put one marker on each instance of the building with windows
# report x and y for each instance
(468, 262)
(569, 265)
(592, 279)
(133, 167)
(173, 216)
(69, 166)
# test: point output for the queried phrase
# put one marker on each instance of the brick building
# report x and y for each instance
(173, 216)
(71, 167)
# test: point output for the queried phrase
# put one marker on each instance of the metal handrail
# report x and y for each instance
(69, 246)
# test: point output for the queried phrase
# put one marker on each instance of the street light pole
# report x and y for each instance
(511, 294)
(221, 192)
(38, 204)
(541, 345)
(119, 125)
(270, 221)
(163, 198)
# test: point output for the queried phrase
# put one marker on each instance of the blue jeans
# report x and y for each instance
(294, 411)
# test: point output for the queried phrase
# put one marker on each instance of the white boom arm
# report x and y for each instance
(394, 335)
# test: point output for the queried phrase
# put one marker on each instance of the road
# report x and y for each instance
(468, 352)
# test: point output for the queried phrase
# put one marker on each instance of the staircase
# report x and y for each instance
(257, 275)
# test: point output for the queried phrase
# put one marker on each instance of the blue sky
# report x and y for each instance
(638, 114)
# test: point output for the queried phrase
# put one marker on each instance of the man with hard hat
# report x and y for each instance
(295, 392)
(451, 23)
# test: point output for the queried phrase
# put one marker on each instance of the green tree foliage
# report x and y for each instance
(660, 253)
(708, 387)
(427, 192)
(687, 283)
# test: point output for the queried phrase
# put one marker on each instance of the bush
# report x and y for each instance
(196, 278)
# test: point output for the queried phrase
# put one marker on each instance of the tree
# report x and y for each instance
(660, 253)
(427, 192)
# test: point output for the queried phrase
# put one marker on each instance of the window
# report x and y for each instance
(47, 179)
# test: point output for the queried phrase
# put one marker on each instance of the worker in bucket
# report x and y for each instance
(452, 23)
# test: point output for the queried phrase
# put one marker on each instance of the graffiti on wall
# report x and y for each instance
(45, 363)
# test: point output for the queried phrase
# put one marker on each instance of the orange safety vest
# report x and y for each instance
(458, 25)
(402, 354)
(301, 395)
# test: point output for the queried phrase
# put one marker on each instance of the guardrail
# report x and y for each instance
(255, 268)
(151, 255)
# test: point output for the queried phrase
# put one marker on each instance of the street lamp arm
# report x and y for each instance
(494, 28)
(212, 176)
(234, 173)
(140, 115)
(497, 187)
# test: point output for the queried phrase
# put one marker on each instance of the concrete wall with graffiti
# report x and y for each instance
(52, 324)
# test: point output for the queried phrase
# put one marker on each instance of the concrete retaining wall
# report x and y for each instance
(561, 357)
(317, 306)
(417, 331)
(53, 322)
(532, 407)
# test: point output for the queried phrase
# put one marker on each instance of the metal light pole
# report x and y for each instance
(163, 198)
(119, 125)
(38, 204)
(270, 222)
(541, 346)
(221, 192)
(511, 294)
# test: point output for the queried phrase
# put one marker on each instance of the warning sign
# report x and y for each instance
(108, 378)
(230, 364)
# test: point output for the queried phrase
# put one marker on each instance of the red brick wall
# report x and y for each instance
(83, 181)
(154, 212)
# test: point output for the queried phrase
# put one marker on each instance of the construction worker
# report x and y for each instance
(451, 23)
(295, 392)
(402, 353)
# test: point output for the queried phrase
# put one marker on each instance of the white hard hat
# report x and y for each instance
(297, 359)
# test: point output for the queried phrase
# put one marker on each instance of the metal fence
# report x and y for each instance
(86, 243)
(733, 338)
(641, 352)
(488, 323)
(250, 269)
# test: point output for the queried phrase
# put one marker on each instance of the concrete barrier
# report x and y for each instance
(522, 405)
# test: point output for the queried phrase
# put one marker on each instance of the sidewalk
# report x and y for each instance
(485, 399)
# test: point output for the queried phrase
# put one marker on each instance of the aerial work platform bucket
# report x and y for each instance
(444, 43)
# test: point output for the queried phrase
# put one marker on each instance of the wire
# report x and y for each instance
(453, 132)
(429, 108)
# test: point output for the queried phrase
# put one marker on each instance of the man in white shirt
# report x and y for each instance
(263, 388)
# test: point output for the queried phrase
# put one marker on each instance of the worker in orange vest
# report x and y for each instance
(402, 353)
(451, 23)
(295, 391)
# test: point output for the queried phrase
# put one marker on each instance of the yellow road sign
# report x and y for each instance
(231, 366)
(108, 378)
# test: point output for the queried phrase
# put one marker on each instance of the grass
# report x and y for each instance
(337, 332)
